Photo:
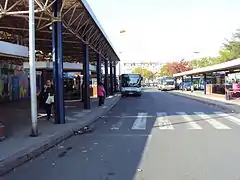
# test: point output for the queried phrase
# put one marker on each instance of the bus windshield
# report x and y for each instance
(131, 80)
(168, 82)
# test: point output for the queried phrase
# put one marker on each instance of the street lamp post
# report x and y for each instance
(121, 32)
(119, 66)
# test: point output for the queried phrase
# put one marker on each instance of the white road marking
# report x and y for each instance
(163, 122)
(191, 122)
(229, 117)
(119, 123)
(140, 122)
(216, 124)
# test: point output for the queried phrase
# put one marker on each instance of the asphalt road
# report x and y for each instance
(158, 136)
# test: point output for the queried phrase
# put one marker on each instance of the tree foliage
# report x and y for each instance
(145, 73)
(229, 51)
(233, 45)
(174, 67)
(165, 70)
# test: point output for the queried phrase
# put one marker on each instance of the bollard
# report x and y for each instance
(2, 133)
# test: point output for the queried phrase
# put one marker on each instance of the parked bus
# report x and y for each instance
(166, 83)
(130, 84)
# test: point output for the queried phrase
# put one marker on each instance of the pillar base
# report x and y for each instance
(2, 132)
(34, 133)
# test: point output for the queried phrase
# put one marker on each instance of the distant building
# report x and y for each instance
(151, 66)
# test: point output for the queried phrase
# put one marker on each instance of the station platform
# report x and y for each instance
(17, 115)
(19, 146)
(217, 100)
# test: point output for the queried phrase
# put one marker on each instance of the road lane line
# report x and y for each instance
(118, 125)
(190, 121)
(231, 118)
(163, 122)
(140, 122)
(216, 124)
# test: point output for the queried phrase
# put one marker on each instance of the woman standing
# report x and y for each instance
(48, 98)
(101, 93)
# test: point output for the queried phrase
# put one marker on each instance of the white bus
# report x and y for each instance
(166, 84)
(130, 84)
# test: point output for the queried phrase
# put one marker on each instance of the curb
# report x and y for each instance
(205, 101)
(27, 154)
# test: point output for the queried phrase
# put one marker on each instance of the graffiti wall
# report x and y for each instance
(13, 82)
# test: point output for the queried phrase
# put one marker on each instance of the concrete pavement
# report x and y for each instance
(219, 102)
(15, 151)
(156, 136)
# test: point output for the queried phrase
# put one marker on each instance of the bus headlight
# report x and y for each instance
(138, 89)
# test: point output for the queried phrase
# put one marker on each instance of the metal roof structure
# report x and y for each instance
(66, 66)
(79, 25)
(226, 66)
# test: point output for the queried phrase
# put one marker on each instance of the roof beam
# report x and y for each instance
(78, 21)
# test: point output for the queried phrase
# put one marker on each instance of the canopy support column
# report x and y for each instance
(115, 77)
(111, 78)
(227, 95)
(99, 68)
(57, 55)
(182, 82)
(205, 84)
(106, 77)
(86, 75)
(192, 85)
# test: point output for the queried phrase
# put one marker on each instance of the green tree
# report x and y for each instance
(233, 45)
(137, 70)
(145, 73)
(230, 51)
(164, 71)
(203, 62)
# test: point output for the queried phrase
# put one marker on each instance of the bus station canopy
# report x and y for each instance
(79, 26)
(226, 66)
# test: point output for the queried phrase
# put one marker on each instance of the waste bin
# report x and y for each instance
(209, 89)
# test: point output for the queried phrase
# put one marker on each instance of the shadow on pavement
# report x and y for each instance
(112, 153)
(101, 155)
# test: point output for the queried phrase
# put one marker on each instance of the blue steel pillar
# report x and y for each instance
(205, 84)
(227, 96)
(99, 68)
(106, 76)
(115, 78)
(57, 56)
(111, 78)
(175, 81)
(86, 75)
(182, 82)
(192, 85)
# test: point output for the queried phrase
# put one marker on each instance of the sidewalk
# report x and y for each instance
(215, 100)
(18, 149)
(17, 115)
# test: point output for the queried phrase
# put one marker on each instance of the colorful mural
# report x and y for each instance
(13, 82)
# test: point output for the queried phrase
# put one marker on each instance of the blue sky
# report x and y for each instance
(167, 30)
